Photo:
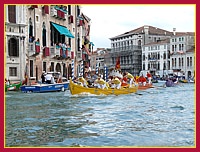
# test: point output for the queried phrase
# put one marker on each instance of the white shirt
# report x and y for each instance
(48, 77)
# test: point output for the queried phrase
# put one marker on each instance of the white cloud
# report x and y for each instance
(112, 20)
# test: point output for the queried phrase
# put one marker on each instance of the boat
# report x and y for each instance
(147, 86)
(154, 81)
(77, 89)
(40, 87)
(13, 86)
(183, 81)
(170, 83)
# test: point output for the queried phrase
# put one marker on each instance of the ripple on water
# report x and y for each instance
(153, 117)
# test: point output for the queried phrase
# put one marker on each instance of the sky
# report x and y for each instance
(108, 21)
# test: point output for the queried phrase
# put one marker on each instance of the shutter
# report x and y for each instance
(47, 51)
(37, 49)
(46, 9)
(72, 55)
(61, 52)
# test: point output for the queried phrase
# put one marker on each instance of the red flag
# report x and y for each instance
(117, 66)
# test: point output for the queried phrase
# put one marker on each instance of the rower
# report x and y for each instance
(117, 83)
(83, 82)
(101, 83)
(130, 77)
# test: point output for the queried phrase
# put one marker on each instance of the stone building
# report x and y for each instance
(156, 58)
(182, 49)
(15, 42)
(128, 46)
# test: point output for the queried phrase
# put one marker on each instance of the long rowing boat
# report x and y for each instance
(78, 89)
(147, 86)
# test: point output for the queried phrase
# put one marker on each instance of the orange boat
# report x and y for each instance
(147, 86)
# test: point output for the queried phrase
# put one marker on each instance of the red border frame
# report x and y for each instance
(3, 149)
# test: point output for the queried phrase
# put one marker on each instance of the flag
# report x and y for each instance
(117, 66)
(181, 52)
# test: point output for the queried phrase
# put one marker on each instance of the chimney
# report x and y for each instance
(174, 31)
(146, 29)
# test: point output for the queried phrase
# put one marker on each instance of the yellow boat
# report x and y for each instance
(78, 89)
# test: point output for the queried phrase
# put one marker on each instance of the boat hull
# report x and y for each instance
(141, 87)
(78, 89)
(13, 87)
(170, 84)
(45, 87)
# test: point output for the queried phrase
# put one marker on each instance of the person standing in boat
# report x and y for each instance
(149, 77)
(48, 78)
(43, 77)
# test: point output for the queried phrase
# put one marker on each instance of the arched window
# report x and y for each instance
(164, 55)
(139, 44)
(179, 60)
(30, 28)
(172, 62)
(13, 47)
(58, 67)
(43, 34)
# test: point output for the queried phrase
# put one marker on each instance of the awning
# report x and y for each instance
(63, 30)
(92, 43)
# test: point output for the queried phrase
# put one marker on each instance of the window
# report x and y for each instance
(187, 61)
(179, 62)
(44, 66)
(37, 18)
(43, 34)
(175, 62)
(164, 55)
(180, 47)
(172, 62)
(143, 67)
(190, 61)
(13, 47)
(182, 61)
(52, 66)
(12, 71)
(31, 68)
(69, 9)
(143, 57)
(30, 28)
(12, 13)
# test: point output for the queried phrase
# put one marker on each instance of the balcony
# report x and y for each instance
(58, 13)
(33, 49)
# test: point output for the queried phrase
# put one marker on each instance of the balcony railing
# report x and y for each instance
(126, 48)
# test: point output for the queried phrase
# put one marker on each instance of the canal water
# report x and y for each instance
(157, 117)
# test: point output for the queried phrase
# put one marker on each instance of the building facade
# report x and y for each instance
(128, 47)
(156, 58)
(182, 49)
(158, 51)
(15, 42)
(47, 38)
